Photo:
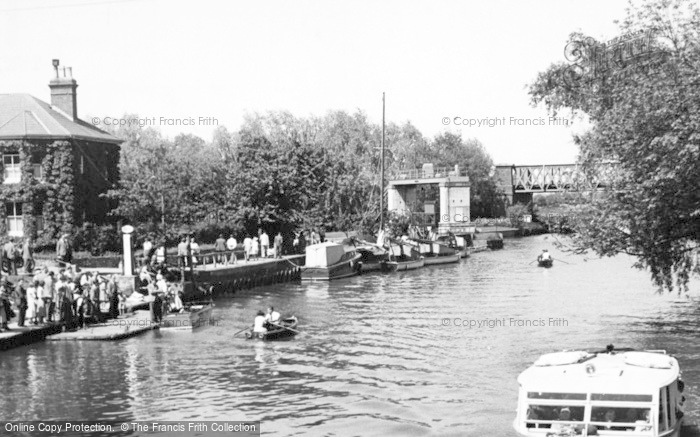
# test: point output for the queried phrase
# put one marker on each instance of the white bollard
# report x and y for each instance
(127, 255)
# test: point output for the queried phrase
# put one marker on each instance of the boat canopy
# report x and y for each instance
(324, 254)
(583, 372)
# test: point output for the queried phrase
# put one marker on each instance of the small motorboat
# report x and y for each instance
(546, 263)
(190, 317)
(284, 330)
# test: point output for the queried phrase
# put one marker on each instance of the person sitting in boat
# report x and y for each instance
(564, 416)
(643, 425)
(271, 318)
(259, 323)
(544, 256)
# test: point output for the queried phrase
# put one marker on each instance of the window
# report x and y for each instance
(15, 222)
(38, 173)
(38, 214)
(621, 419)
(553, 416)
(12, 173)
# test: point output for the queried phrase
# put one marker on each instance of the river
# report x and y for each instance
(378, 354)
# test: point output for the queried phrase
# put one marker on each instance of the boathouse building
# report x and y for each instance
(54, 166)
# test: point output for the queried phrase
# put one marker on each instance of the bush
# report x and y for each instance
(96, 239)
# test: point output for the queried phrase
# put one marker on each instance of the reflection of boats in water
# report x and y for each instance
(611, 392)
(327, 261)
(285, 330)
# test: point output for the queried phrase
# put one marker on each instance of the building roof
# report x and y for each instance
(23, 116)
(630, 373)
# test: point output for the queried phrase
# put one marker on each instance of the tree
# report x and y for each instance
(642, 96)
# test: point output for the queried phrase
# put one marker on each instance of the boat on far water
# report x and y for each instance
(606, 393)
(328, 261)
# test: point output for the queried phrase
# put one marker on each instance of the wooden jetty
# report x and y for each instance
(23, 335)
(115, 329)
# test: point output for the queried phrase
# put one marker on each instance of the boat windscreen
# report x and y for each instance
(620, 397)
(570, 396)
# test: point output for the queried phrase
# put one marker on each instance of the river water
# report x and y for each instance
(378, 354)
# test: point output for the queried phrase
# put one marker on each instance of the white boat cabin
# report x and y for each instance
(610, 393)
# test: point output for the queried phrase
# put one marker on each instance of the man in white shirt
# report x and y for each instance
(272, 317)
(264, 243)
(231, 244)
(259, 323)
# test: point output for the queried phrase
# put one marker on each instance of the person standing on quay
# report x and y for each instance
(255, 248)
(231, 244)
(11, 255)
(247, 247)
(182, 252)
(264, 244)
(20, 295)
(220, 248)
(28, 255)
(62, 249)
(278, 245)
(147, 248)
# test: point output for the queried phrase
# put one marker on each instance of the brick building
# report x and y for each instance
(54, 166)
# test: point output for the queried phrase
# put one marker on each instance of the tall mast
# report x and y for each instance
(381, 187)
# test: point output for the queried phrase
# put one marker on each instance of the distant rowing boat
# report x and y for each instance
(546, 263)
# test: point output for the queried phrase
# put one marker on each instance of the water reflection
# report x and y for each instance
(373, 356)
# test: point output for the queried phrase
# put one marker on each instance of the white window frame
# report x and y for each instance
(12, 173)
(15, 223)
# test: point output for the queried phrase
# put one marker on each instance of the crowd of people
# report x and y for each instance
(18, 253)
(67, 298)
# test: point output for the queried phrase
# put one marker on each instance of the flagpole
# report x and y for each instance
(381, 192)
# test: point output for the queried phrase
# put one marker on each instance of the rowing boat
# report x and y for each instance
(285, 331)
(546, 263)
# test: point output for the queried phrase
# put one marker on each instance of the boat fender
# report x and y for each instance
(681, 386)
(352, 264)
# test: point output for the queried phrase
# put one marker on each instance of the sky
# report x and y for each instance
(210, 63)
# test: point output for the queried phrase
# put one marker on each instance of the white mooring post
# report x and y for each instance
(128, 260)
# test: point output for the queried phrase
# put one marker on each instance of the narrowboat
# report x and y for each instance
(606, 393)
(328, 261)
(285, 330)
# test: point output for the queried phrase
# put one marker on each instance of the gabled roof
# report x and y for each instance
(25, 117)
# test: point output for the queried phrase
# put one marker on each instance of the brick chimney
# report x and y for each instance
(63, 96)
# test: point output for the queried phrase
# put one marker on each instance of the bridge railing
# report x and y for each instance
(562, 177)
(434, 173)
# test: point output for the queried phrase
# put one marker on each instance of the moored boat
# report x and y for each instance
(611, 392)
(374, 258)
(285, 330)
(191, 317)
(405, 256)
(328, 261)
(437, 252)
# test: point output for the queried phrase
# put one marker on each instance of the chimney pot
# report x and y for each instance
(63, 94)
